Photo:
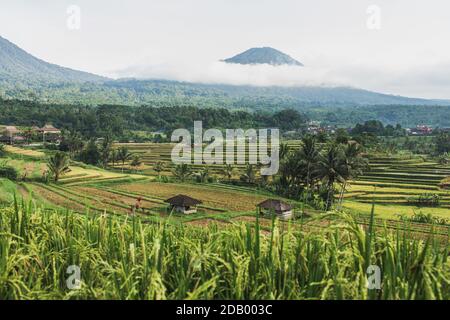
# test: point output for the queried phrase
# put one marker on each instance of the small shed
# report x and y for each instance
(183, 204)
(282, 209)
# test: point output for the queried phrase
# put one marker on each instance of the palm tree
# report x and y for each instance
(114, 157)
(249, 175)
(158, 167)
(228, 171)
(58, 165)
(123, 155)
(203, 175)
(136, 162)
(354, 164)
(182, 172)
(442, 159)
(308, 155)
(74, 143)
(284, 151)
(331, 169)
(105, 151)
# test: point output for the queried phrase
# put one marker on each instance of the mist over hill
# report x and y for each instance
(25, 77)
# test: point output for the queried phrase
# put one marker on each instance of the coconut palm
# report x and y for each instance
(123, 154)
(182, 172)
(442, 159)
(249, 175)
(58, 165)
(284, 151)
(105, 151)
(136, 162)
(158, 167)
(114, 157)
(308, 155)
(203, 175)
(228, 171)
(354, 164)
(331, 169)
(74, 143)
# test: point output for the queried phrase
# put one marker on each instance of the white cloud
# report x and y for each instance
(429, 81)
(236, 74)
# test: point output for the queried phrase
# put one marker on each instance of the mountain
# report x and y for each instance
(18, 65)
(25, 77)
(265, 55)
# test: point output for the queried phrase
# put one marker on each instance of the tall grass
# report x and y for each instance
(124, 258)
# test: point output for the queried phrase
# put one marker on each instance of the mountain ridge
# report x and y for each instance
(23, 76)
(16, 63)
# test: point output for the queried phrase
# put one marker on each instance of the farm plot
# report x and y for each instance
(24, 152)
(226, 199)
(81, 176)
(150, 153)
(393, 181)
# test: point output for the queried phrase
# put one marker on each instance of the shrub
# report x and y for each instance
(2, 150)
(425, 200)
(9, 172)
(424, 218)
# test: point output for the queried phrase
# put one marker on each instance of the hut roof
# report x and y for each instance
(182, 200)
(11, 129)
(276, 205)
(49, 128)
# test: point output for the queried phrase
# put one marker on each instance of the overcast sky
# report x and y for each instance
(184, 39)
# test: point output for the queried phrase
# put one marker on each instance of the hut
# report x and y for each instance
(50, 129)
(282, 209)
(183, 204)
(11, 135)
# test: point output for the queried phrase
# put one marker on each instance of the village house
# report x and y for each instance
(282, 209)
(420, 130)
(49, 133)
(11, 135)
(183, 204)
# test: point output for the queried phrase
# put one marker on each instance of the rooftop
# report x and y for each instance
(182, 200)
(275, 204)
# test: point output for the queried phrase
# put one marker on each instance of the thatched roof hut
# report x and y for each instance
(280, 208)
(183, 203)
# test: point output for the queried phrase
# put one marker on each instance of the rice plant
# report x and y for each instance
(126, 258)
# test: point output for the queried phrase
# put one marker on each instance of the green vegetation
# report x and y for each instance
(400, 184)
(133, 260)
(58, 165)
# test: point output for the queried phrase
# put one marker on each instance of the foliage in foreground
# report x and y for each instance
(122, 258)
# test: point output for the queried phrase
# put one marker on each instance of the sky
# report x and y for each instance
(398, 47)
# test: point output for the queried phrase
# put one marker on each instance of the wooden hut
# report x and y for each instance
(183, 204)
(282, 209)
(55, 133)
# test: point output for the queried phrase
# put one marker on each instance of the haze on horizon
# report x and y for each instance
(184, 40)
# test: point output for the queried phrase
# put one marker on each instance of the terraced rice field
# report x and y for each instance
(212, 196)
(150, 153)
(24, 152)
(80, 176)
(392, 180)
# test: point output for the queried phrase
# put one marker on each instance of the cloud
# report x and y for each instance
(219, 72)
(427, 80)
